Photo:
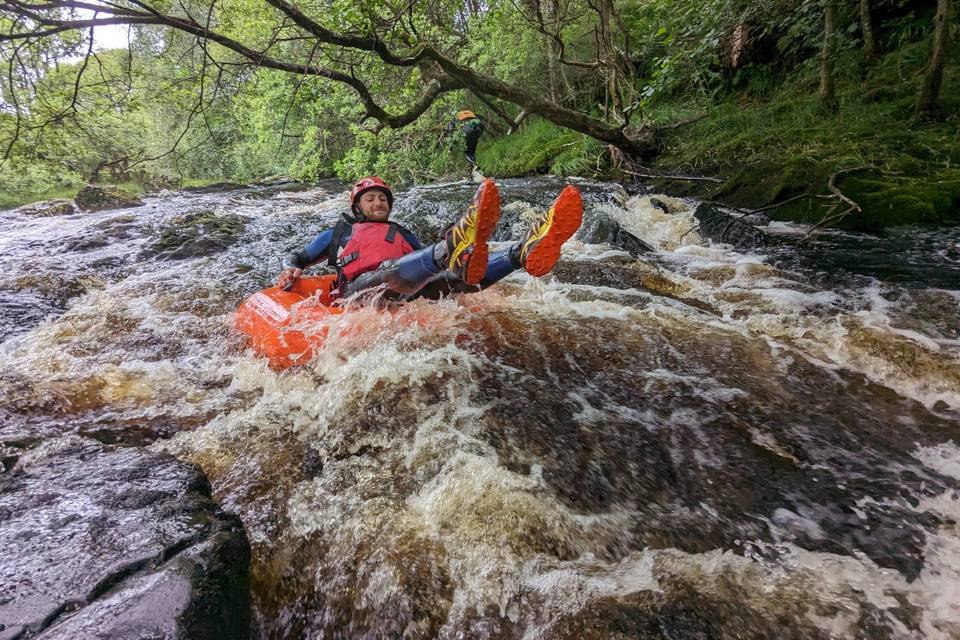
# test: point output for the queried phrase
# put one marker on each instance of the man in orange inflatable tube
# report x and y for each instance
(370, 251)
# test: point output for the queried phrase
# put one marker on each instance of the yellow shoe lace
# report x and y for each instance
(464, 234)
(538, 231)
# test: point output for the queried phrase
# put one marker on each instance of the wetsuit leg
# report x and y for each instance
(499, 265)
(471, 139)
(441, 286)
(417, 274)
(404, 275)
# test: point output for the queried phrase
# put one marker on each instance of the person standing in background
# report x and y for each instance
(472, 127)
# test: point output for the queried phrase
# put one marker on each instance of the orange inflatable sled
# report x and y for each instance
(272, 318)
(266, 318)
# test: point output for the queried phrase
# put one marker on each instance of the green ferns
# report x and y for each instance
(542, 147)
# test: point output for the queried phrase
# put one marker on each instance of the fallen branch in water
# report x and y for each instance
(742, 212)
(830, 217)
(618, 160)
(723, 234)
(787, 201)
(667, 176)
(688, 231)
(685, 122)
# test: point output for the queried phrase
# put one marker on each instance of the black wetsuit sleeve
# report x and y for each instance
(409, 237)
(313, 253)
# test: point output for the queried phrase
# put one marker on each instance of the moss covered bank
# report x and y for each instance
(773, 143)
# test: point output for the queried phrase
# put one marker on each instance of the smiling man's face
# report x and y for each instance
(375, 205)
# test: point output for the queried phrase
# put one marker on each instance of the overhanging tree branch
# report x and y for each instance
(373, 109)
(496, 109)
(16, 105)
(452, 73)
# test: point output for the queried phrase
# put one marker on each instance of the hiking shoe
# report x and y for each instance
(540, 250)
(466, 241)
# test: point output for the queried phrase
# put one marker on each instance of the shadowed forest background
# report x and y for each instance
(774, 102)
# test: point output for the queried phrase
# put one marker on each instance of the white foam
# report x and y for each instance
(664, 231)
(787, 228)
(485, 516)
(943, 458)
(937, 590)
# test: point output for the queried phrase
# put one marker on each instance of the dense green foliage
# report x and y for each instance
(542, 147)
(163, 114)
(773, 147)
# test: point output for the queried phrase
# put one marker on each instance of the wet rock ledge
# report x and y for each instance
(120, 543)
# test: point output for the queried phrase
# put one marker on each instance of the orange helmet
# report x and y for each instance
(365, 184)
(466, 114)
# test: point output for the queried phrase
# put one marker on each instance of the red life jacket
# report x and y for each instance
(370, 244)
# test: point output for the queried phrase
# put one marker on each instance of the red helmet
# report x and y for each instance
(365, 184)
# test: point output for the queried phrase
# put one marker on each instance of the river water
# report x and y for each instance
(699, 443)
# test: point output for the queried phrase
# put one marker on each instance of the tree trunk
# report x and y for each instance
(554, 72)
(518, 121)
(737, 44)
(503, 115)
(866, 25)
(934, 78)
(548, 9)
(827, 90)
(608, 54)
(643, 146)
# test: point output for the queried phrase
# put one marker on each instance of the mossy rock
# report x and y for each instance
(885, 200)
(48, 208)
(274, 180)
(888, 201)
(798, 176)
(196, 234)
(103, 197)
(755, 186)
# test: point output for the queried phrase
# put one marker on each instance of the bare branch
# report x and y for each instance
(668, 176)
(832, 185)
(770, 207)
(83, 67)
(518, 120)
(13, 97)
(496, 109)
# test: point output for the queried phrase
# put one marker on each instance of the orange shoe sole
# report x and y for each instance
(566, 216)
(487, 203)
